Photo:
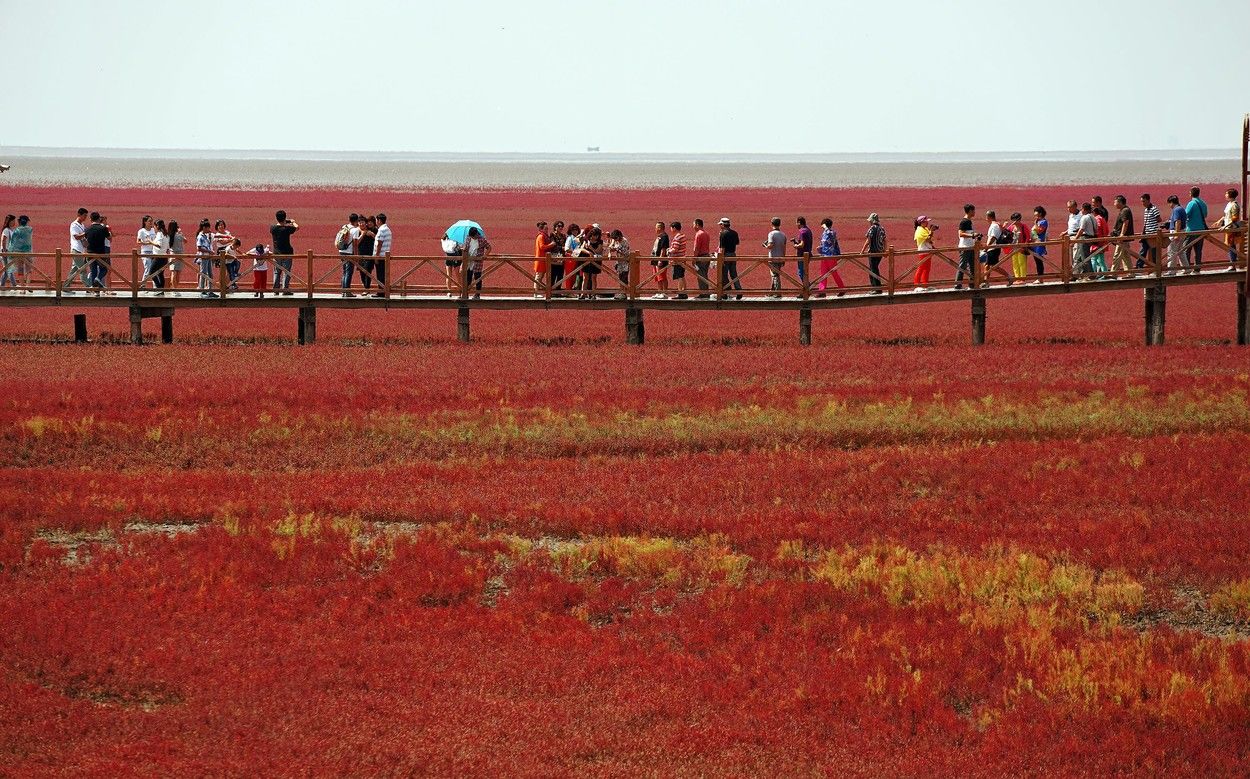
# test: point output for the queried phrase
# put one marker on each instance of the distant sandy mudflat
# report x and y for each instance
(591, 173)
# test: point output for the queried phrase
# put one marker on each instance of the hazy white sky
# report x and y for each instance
(631, 76)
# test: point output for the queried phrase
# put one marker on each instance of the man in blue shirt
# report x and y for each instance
(1195, 221)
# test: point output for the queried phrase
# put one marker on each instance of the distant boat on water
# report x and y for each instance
(592, 148)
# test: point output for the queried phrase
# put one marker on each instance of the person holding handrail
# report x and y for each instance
(966, 244)
(1149, 254)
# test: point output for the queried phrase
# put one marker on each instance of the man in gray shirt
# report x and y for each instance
(776, 246)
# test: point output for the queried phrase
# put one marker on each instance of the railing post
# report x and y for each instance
(633, 275)
(719, 258)
(59, 271)
(978, 319)
(221, 276)
(805, 264)
(464, 271)
(309, 278)
(976, 265)
(1065, 259)
(1243, 315)
(889, 256)
(386, 285)
(134, 277)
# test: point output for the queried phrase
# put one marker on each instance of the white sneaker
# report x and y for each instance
(1232, 268)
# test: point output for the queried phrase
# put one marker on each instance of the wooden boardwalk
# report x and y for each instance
(508, 284)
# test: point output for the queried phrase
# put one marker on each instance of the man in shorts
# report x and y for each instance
(676, 255)
(659, 253)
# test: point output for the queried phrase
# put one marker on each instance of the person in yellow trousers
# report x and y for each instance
(1019, 251)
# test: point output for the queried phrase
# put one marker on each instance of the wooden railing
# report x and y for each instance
(624, 278)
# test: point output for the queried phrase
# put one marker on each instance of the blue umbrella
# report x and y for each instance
(459, 232)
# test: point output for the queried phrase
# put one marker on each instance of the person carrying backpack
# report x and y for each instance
(346, 242)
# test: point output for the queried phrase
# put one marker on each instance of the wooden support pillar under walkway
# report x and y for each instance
(137, 315)
(80, 328)
(307, 325)
(805, 326)
(462, 325)
(1156, 314)
(1243, 314)
(635, 329)
(978, 320)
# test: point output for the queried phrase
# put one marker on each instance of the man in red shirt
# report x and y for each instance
(702, 259)
(543, 246)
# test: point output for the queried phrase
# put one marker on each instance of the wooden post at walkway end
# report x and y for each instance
(805, 326)
(307, 325)
(136, 325)
(1156, 313)
(462, 325)
(80, 328)
(635, 329)
(978, 320)
(1243, 315)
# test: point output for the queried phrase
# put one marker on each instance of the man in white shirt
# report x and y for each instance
(381, 248)
(147, 243)
(78, 250)
(776, 246)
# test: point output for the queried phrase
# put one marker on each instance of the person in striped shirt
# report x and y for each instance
(676, 258)
(1149, 227)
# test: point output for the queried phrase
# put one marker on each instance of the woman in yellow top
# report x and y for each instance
(924, 242)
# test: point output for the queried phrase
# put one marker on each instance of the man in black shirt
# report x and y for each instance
(96, 237)
(283, 252)
(728, 268)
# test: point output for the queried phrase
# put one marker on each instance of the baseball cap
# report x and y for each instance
(724, 220)
(873, 217)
